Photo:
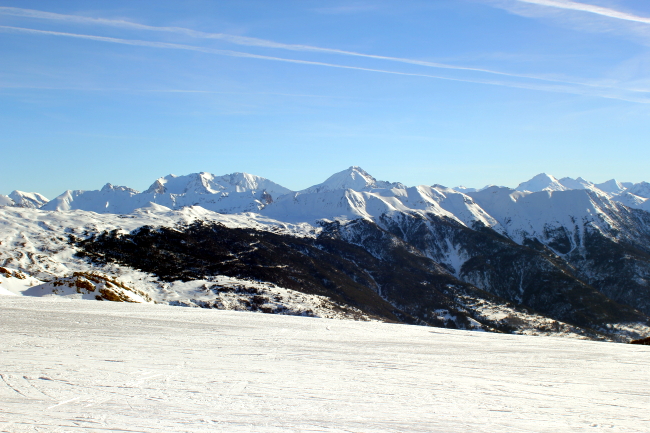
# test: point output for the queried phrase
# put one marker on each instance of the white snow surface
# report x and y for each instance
(13, 282)
(74, 365)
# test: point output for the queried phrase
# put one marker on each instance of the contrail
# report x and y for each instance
(583, 7)
(255, 42)
(167, 45)
(196, 91)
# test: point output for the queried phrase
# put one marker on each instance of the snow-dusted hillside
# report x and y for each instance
(97, 367)
(37, 241)
(39, 261)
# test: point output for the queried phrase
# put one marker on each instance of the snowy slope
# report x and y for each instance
(14, 282)
(611, 186)
(636, 196)
(633, 201)
(578, 183)
(541, 214)
(97, 367)
(36, 241)
(28, 199)
(39, 261)
(642, 189)
(545, 182)
(354, 178)
(110, 199)
(5, 201)
(23, 199)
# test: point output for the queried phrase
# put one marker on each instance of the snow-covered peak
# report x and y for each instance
(578, 183)
(28, 199)
(110, 199)
(5, 201)
(544, 214)
(642, 189)
(158, 187)
(207, 183)
(109, 188)
(627, 185)
(541, 182)
(633, 200)
(611, 186)
(232, 193)
(464, 189)
(200, 183)
(243, 182)
(354, 178)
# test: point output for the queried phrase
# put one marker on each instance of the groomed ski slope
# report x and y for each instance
(83, 366)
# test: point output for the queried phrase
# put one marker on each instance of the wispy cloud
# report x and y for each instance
(589, 8)
(582, 16)
(612, 93)
(347, 9)
(264, 43)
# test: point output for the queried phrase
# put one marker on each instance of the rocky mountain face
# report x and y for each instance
(357, 265)
(565, 255)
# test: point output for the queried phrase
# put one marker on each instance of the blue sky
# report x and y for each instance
(447, 91)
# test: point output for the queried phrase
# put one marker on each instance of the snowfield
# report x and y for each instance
(79, 366)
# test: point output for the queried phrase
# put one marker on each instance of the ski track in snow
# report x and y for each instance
(83, 366)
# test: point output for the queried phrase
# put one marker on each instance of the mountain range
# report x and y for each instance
(550, 256)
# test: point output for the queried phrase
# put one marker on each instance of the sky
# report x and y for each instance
(451, 92)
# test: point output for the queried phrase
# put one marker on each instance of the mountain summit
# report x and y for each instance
(354, 178)
(541, 182)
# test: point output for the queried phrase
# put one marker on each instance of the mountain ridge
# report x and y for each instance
(565, 248)
(178, 191)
